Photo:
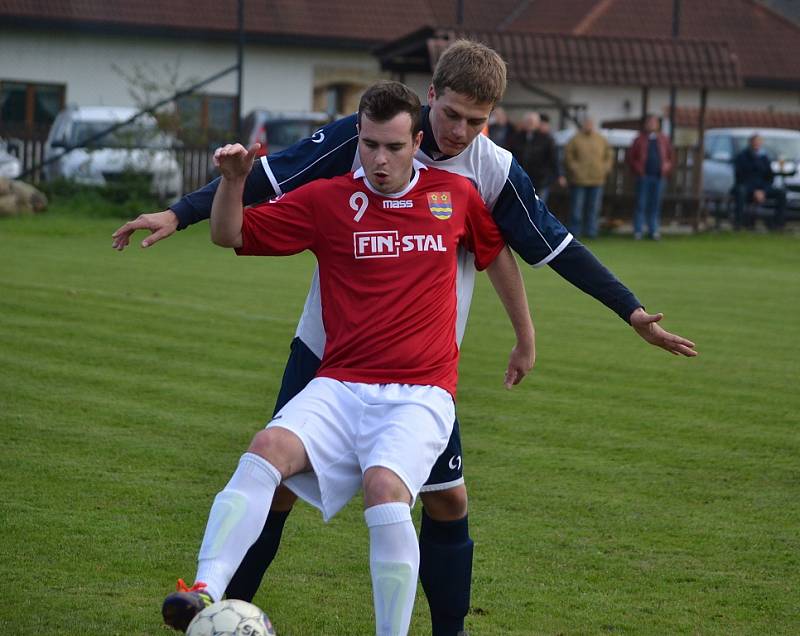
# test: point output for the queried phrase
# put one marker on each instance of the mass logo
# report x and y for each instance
(389, 244)
(440, 204)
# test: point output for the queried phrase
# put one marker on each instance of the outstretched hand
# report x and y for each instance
(520, 362)
(235, 161)
(646, 325)
(160, 224)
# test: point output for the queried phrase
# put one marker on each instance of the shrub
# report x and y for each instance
(125, 197)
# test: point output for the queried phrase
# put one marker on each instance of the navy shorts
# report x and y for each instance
(301, 368)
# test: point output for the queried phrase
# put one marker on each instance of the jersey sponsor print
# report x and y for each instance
(387, 272)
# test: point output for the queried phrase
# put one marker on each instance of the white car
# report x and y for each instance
(10, 167)
(723, 144)
(86, 155)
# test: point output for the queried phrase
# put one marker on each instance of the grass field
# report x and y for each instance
(618, 490)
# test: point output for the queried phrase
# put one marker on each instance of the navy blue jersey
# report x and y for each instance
(524, 220)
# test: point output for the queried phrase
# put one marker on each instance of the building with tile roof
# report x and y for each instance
(597, 55)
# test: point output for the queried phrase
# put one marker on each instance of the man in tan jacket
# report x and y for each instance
(587, 159)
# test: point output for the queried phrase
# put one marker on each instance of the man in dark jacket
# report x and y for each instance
(754, 178)
(535, 149)
(501, 130)
(651, 158)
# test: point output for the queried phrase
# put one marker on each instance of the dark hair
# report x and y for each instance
(544, 117)
(386, 99)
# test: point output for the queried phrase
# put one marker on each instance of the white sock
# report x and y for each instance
(235, 521)
(394, 564)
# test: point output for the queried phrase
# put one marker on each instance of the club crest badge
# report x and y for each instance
(440, 204)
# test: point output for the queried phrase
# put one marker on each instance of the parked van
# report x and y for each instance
(98, 159)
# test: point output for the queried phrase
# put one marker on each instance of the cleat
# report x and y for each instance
(182, 606)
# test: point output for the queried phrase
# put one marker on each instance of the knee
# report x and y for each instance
(281, 448)
(446, 505)
(382, 485)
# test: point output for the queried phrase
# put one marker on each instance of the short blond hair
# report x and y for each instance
(472, 69)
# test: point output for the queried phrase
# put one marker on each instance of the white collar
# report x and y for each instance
(417, 165)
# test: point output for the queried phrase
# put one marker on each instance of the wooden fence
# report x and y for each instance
(195, 162)
(681, 205)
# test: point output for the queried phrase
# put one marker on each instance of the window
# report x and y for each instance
(208, 119)
(337, 90)
(718, 148)
(337, 99)
(28, 106)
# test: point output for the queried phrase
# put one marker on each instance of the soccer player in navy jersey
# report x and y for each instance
(380, 409)
(468, 80)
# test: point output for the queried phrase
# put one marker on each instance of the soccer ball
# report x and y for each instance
(231, 618)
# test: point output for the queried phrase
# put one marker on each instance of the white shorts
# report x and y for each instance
(348, 427)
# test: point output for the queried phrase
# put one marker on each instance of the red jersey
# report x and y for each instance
(387, 267)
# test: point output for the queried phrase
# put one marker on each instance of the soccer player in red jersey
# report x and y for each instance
(380, 410)
(469, 79)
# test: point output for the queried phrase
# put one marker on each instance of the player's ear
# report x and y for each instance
(431, 95)
(417, 140)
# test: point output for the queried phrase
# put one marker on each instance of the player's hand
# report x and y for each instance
(646, 325)
(520, 362)
(235, 161)
(759, 196)
(160, 224)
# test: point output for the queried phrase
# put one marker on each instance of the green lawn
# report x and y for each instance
(618, 490)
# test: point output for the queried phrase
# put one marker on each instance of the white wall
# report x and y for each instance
(278, 78)
(606, 103)
(282, 78)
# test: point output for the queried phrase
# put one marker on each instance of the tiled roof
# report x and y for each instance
(724, 118)
(766, 44)
(325, 21)
(620, 61)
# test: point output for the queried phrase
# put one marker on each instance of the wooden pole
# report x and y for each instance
(645, 101)
(240, 69)
(701, 151)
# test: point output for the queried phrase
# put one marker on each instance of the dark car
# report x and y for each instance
(278, 130)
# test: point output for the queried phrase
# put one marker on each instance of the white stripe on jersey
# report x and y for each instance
(553, 252)
(277, 186)
(271, 176)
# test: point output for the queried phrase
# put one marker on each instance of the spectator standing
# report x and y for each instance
(754, 179)
(545, 129)
(535, 149)
(501, 130)
(651, 158)
(587, 160)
